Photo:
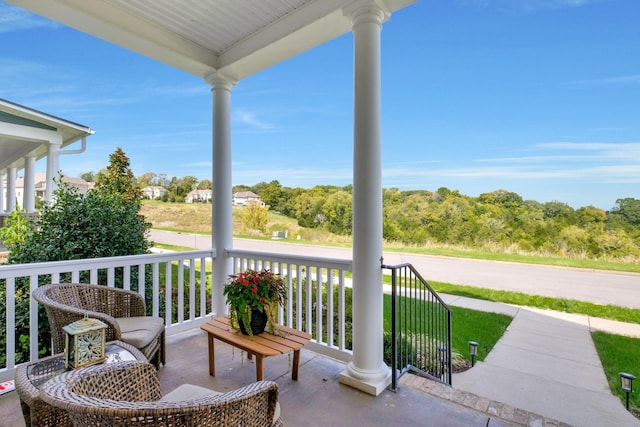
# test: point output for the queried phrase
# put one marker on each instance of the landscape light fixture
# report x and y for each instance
(626, 382)
(473, 352)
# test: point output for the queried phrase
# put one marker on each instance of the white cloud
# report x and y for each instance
(250, 119)
(79, 102)
(10, 68)
(530, 5)
(572, 152)
(614, 173)
(597, 162)
(16, 19)
(300, 176)
(539, 159)
(179, 91)
(627, 152)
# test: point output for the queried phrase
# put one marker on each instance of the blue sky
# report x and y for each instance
(538, 97)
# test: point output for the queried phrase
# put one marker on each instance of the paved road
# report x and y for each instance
(595, 286)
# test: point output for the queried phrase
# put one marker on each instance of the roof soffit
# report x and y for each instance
(46, 121)
(235, 38)
(108, 20)
(27, 132)
(17, 120)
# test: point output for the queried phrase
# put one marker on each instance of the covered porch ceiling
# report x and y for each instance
(232, 38)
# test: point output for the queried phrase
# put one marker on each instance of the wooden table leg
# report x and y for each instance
(296, 362)
(259, 368)
(212, 363)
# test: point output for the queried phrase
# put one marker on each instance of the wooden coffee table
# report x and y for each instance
(286, 340)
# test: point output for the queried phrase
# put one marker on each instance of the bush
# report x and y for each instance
(17, 227)
(76, 226)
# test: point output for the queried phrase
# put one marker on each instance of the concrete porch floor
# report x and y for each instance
(317, 398)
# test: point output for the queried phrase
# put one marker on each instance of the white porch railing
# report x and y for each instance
(319, 308)
(178, 288)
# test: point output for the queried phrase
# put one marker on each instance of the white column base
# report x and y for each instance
(370, 382)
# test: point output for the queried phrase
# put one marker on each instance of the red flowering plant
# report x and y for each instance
(251, 290)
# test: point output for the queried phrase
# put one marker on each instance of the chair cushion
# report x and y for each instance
(140, 331)
(190, 391)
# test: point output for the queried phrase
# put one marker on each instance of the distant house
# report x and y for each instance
(243, 198)
(153, 192)
(198, 196)
(40, 183)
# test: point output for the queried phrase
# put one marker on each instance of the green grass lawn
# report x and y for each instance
(620, 354)
(617, 353)
(622, 314)
(559, 261)
(471, 325)
(468, 325)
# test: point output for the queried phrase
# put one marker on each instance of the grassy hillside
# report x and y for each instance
(196, 218)
(193, 217)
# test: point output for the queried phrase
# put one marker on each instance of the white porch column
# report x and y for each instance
(222, 221)
(2, 192)
(29, 190)
(367, 371)
(53, 169)
(11, 188)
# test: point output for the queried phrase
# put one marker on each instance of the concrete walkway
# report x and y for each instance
(546, 363)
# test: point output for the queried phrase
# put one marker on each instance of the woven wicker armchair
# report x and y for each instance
(128, 394)
(123, 311)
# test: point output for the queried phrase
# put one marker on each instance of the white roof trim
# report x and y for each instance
(203, 47)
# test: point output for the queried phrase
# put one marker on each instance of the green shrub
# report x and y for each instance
(16, 228)
(101, 223)
(79, 226)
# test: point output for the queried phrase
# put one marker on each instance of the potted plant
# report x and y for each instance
(253, 299)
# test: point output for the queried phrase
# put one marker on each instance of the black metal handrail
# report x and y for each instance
(420, 327)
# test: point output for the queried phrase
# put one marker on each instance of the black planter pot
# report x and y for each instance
(257, 324)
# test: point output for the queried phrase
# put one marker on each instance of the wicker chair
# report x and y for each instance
(128, 394)
(123, 311)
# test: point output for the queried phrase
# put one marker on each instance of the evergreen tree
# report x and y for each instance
(119, 179)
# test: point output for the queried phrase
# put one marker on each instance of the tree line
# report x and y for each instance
(495, 221)
(177, 187)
